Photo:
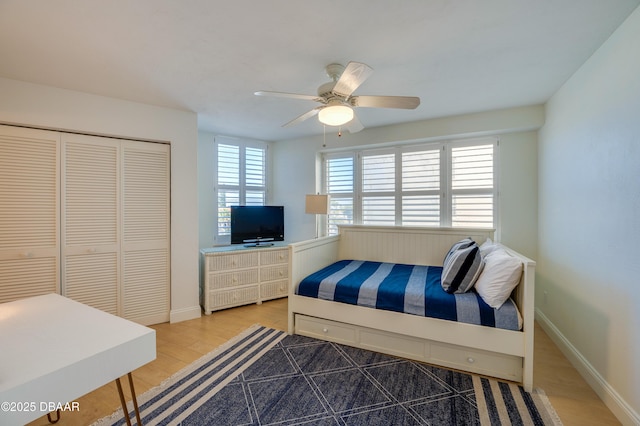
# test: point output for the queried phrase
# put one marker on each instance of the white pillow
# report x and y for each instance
(488, 247)
(500, 275)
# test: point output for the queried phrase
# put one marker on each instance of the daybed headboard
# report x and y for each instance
(400, 244)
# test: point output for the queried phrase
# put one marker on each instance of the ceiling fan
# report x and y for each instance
(337, 100)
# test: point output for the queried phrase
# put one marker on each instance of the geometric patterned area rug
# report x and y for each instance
(266, 377)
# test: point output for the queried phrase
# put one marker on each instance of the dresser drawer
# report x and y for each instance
(241, 296)
(232, 261)
(236, 278)
(270, 273)
(273, 257)
(274, 289)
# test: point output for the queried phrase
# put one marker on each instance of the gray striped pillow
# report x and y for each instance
(462, 266)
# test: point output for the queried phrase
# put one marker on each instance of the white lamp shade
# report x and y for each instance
(335, 115)
(317, 204)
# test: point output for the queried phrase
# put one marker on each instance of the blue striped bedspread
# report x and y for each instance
(411, 289)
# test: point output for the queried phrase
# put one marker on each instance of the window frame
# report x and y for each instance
(445, 190)
(242, 187)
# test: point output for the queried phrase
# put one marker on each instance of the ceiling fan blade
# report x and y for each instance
(353, 76)
(354, 126)
(289, 95)
(404, 102)
(303, 117)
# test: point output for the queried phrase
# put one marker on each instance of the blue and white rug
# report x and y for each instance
(266, 377)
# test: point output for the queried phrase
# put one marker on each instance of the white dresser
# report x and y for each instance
(237, 275)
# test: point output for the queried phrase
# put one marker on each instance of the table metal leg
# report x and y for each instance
(135, 401)
(124, 403)
(56, 420)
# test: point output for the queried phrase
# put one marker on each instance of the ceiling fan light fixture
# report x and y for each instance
(335, 115)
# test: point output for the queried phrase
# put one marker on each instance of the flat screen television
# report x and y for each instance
(257, 225)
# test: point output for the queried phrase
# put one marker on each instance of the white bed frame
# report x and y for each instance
(489, 351)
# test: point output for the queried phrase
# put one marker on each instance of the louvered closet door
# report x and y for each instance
(145, 232)
(29, 213)
(90, 226)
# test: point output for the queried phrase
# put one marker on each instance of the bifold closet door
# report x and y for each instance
(115, 226)
(90, 221)
(29, 213)
(145, 232)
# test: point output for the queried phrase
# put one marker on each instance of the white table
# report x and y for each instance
(54, 350)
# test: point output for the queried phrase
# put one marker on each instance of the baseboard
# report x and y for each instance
(184, 314)
(612, 399)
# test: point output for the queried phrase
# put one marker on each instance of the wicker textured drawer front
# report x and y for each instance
(235, 276)
(274, 273)
(274, 289)
(233, 261)
(233, 279)
(273, 257)
(234, 297)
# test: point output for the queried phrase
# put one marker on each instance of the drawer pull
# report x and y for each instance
(470, 360)
(325, 330)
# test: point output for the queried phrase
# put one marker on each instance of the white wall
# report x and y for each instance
(588, 287)
(48, 107)
(295, 163)
(206, 182)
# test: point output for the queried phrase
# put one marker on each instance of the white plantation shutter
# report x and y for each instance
(228, 185)
(255, 167)
(340, 186)
(29, 213)
(378, 189)
(421, 187)
(241, 178)
(433, 184)
(472, 186)
(255, 176)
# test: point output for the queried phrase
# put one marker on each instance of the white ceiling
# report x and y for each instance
(209, 56)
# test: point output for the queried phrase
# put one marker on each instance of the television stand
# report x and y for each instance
(237, 275)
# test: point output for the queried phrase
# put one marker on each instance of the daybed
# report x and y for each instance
(506, 354)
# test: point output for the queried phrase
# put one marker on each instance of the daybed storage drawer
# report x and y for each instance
(325, 329)
(452, 356)
(483, 362)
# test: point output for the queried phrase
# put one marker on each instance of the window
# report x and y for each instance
(444, 184)
(472, 184)
(339, 183)
(241, 178)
